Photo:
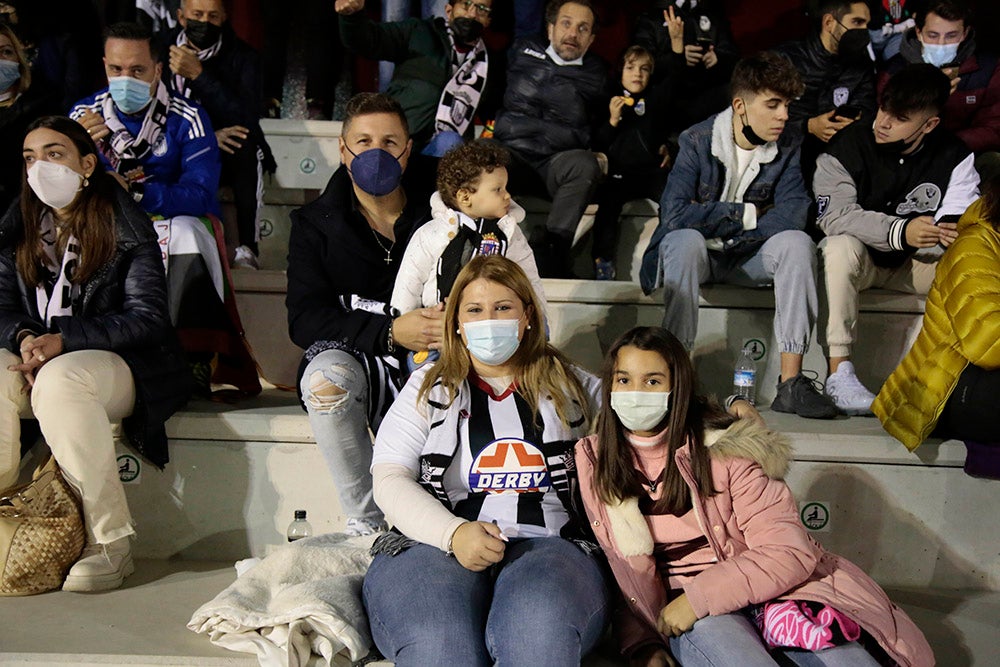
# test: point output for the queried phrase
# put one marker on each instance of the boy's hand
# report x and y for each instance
(615, 107)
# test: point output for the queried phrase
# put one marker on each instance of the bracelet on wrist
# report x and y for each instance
(390, 342)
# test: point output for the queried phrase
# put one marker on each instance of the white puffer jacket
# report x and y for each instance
(416, 282)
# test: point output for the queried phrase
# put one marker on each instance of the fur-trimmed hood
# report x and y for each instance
(744, 439)
(747, 439)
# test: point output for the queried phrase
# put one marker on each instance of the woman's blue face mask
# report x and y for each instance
(10, 73)
(492, 342)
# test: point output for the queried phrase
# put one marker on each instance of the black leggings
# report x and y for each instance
(971, 412)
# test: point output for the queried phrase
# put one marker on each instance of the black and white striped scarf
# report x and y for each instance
(177, 82)
(462, 93)
(57, 295)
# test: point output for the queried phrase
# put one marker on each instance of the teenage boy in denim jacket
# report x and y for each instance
(733, 211)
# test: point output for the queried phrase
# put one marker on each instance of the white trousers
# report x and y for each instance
(76, 398)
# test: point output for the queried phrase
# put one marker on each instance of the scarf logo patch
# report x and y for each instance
(160, 147)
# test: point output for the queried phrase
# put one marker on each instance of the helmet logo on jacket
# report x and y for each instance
(925, 198)
(509, 465)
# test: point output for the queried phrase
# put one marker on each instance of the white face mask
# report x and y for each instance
(55, 184)
(640, 410)
(939, 55)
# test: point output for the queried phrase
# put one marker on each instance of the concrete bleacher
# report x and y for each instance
(914, 521)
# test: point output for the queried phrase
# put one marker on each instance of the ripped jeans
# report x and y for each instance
(335, 392)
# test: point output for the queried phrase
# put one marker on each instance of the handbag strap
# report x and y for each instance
(19, 499)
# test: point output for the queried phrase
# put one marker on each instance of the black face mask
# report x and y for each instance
(748, 133)
(855, 48)
(902, 145)
(202, 33)
(466, 31)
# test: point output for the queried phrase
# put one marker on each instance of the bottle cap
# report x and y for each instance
(300, 514)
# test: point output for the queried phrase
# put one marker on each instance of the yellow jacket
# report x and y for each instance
(961, 326)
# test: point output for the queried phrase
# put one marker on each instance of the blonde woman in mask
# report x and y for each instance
(20, 104)
(489, 561)
(86, 335)
(704, 537)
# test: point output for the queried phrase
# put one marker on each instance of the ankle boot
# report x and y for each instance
(101, 567)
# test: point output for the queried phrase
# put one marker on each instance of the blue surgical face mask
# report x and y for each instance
(939, 55)
(375, 171)
(10, 73)
(492, 342)
(130, 95)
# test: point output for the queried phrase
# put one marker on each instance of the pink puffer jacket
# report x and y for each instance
(764, 553)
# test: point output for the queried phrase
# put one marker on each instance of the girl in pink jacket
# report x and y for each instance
(704, 537)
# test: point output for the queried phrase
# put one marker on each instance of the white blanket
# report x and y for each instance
(302, 599)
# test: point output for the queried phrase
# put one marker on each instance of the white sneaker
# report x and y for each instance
(245, 259)
(362, 527)
(101, 567)
(847, 392)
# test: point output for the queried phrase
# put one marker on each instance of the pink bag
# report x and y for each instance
(802, 624)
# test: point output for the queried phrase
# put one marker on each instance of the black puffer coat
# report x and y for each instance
(550, 108)
(123, 309)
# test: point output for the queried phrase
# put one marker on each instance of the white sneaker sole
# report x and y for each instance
(104, 582)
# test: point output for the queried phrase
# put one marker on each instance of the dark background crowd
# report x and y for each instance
(67, 36)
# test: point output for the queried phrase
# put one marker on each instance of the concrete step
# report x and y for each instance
(585, 317)
(143, 624)
(238, 472)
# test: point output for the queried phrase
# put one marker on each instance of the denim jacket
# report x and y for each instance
(697, 183)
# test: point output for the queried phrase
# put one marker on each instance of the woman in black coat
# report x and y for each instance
(86, 335)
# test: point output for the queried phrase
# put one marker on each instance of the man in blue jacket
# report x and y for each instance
(733, 211)
(162, 149)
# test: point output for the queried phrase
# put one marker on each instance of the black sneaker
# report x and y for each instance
(800, 396)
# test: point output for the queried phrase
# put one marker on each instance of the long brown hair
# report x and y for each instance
(539, 369)
(615, 476)
(91, 215)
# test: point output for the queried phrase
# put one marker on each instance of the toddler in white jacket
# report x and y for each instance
(472, 214)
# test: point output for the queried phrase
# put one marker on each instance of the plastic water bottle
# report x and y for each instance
(745, 377)
(299, 528)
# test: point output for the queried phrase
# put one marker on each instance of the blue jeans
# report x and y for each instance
(732, 639)
(545, 603)
(787, 260)
(335, 392)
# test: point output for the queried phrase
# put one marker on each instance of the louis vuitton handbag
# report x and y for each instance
(41, 533)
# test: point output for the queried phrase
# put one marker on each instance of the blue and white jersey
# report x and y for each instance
(181, 173)
(484, 456)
